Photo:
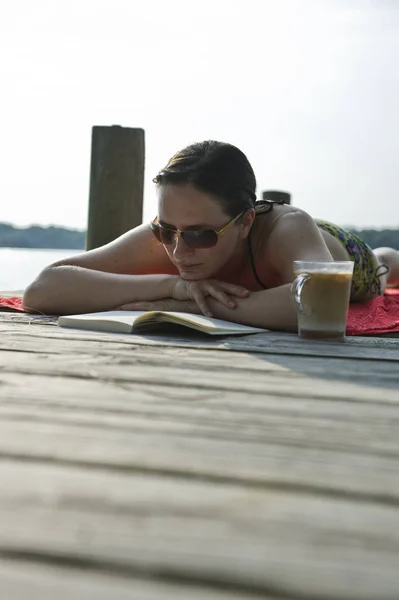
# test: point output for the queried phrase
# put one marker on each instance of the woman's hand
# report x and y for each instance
(224, 292)
(198, 291)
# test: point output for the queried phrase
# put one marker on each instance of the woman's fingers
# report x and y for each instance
(234, 290)
(223, 292)
(199, 292)
(202, 304)
(216, 292)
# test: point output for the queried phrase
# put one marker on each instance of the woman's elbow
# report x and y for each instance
(36, 295)
(31, 299)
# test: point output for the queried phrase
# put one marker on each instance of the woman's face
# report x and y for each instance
(184, 207)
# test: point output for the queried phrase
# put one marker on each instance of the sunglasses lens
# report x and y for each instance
(155, 231)
(200, 238)
(163, 235)
(167, 236)
(194, 238)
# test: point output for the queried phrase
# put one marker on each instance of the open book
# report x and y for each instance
(124, 321)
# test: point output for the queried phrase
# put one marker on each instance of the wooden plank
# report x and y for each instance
(243, 469)
(282, 375)
(251, 540)
(357, 380)
(40, 329)
(32, 338)
(259, 440)
(37, 579)
(283, 387)
(354, 426)
(197, 376)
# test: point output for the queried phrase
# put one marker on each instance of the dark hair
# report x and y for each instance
(216, 168)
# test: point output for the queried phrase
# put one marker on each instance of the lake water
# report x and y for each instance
(19, 266)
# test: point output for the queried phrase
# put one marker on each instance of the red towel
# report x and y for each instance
(380, 315)
(11, 304)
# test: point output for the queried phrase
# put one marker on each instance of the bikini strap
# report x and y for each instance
(251, 258)
(262, 207)
(376, 287)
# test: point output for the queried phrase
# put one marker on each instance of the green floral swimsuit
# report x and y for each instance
(366, 271)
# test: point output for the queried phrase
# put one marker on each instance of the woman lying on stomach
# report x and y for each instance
(211, 249)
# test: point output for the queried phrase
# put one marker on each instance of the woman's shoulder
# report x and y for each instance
(268, 220)
(274, 230)
(270, 214)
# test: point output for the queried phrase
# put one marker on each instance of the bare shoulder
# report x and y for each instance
(274, 228)
(135, 252)
(287, 234)
(292, 222)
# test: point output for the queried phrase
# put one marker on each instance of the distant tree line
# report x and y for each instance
(74, 239)
(41, 237)
(376, 238)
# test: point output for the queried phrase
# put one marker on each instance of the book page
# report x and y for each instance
(123, 320)
(208, 324)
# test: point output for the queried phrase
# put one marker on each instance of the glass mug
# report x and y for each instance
(322, 291)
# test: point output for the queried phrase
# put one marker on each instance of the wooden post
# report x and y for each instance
(277, 196)
(116, 183)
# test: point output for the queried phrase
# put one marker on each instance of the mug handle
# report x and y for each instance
(296, 290)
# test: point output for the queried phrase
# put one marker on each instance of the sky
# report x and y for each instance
(307, 89)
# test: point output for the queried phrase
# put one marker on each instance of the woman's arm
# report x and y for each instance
(129, 268)
(270, 309)
(134, 268)
(63, 290)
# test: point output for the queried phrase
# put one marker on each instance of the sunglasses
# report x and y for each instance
(193, 238)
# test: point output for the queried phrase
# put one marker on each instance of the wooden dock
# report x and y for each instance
(195, 468)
